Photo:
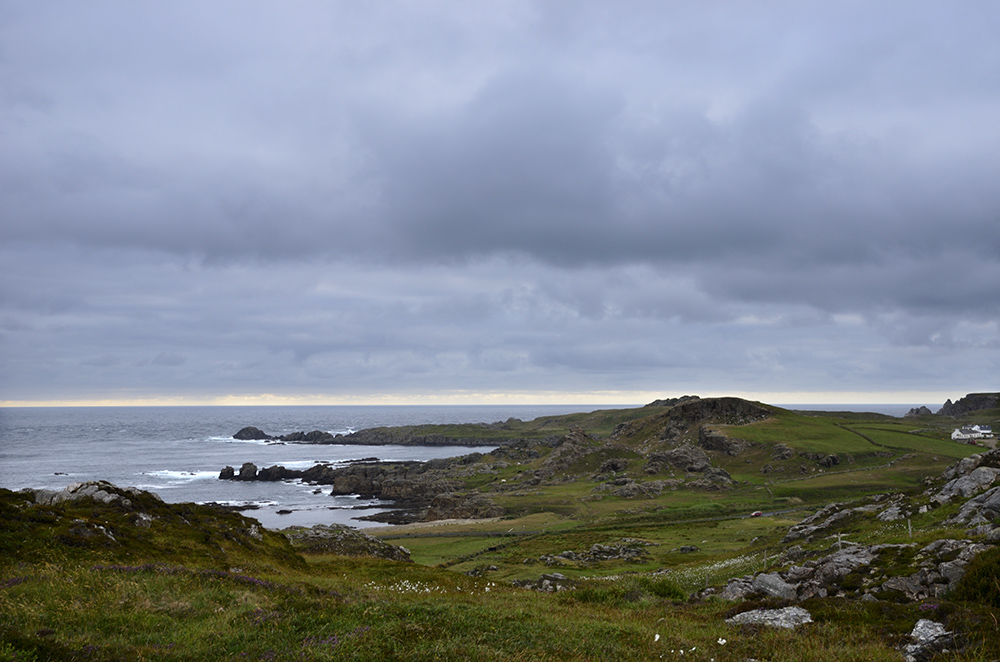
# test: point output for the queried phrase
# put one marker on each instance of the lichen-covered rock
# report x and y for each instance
(983, 509)
(941, 564)
(927, 637)
(788, 618)
(819, 521)
(773, 585)
(98, 490)
(967, 485)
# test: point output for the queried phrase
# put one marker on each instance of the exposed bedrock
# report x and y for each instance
(713, 439)
(403, 436)
(416, 486)
(971, 402)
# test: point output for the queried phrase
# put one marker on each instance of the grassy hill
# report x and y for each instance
(616, 509)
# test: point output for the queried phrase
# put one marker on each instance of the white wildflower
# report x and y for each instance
(656, 638)
(722, 642)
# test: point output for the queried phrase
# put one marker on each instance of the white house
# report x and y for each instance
(967, 433)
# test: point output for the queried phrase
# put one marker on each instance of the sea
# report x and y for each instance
(178, 452)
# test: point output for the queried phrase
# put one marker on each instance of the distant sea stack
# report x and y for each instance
(971, 402)
(919, 411)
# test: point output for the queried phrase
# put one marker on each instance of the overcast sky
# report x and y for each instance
(494, 201)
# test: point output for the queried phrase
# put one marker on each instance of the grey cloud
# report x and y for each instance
(340, 195)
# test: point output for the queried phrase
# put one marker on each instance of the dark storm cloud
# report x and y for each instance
(500, 195)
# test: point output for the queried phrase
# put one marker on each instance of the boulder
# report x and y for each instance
(247, 472)
(927, 638)
(251, 433)
(314, 437)
(788, 618)
(773, 585)
(272, 473)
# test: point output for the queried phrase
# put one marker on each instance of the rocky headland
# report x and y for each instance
(970, 403)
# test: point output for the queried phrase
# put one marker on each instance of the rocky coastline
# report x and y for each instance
(399, 436)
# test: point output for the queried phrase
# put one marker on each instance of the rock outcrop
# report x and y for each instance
(971, 402)
(462, 506)
(403, 435)
(918, 411)
(787, 617)
(425, 490)
(927, 638)
(342, 541)
(713, 439)
(548, 583)
(97, 490)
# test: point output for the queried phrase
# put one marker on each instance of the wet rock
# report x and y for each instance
(247, 472)
(251, 433)
(272, 473)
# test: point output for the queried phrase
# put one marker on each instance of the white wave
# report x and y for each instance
(230, 440)
(242, 504)
(183, 476)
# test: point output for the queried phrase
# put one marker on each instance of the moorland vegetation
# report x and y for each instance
(647, 533)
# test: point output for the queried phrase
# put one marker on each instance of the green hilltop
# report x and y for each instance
(627, 534)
